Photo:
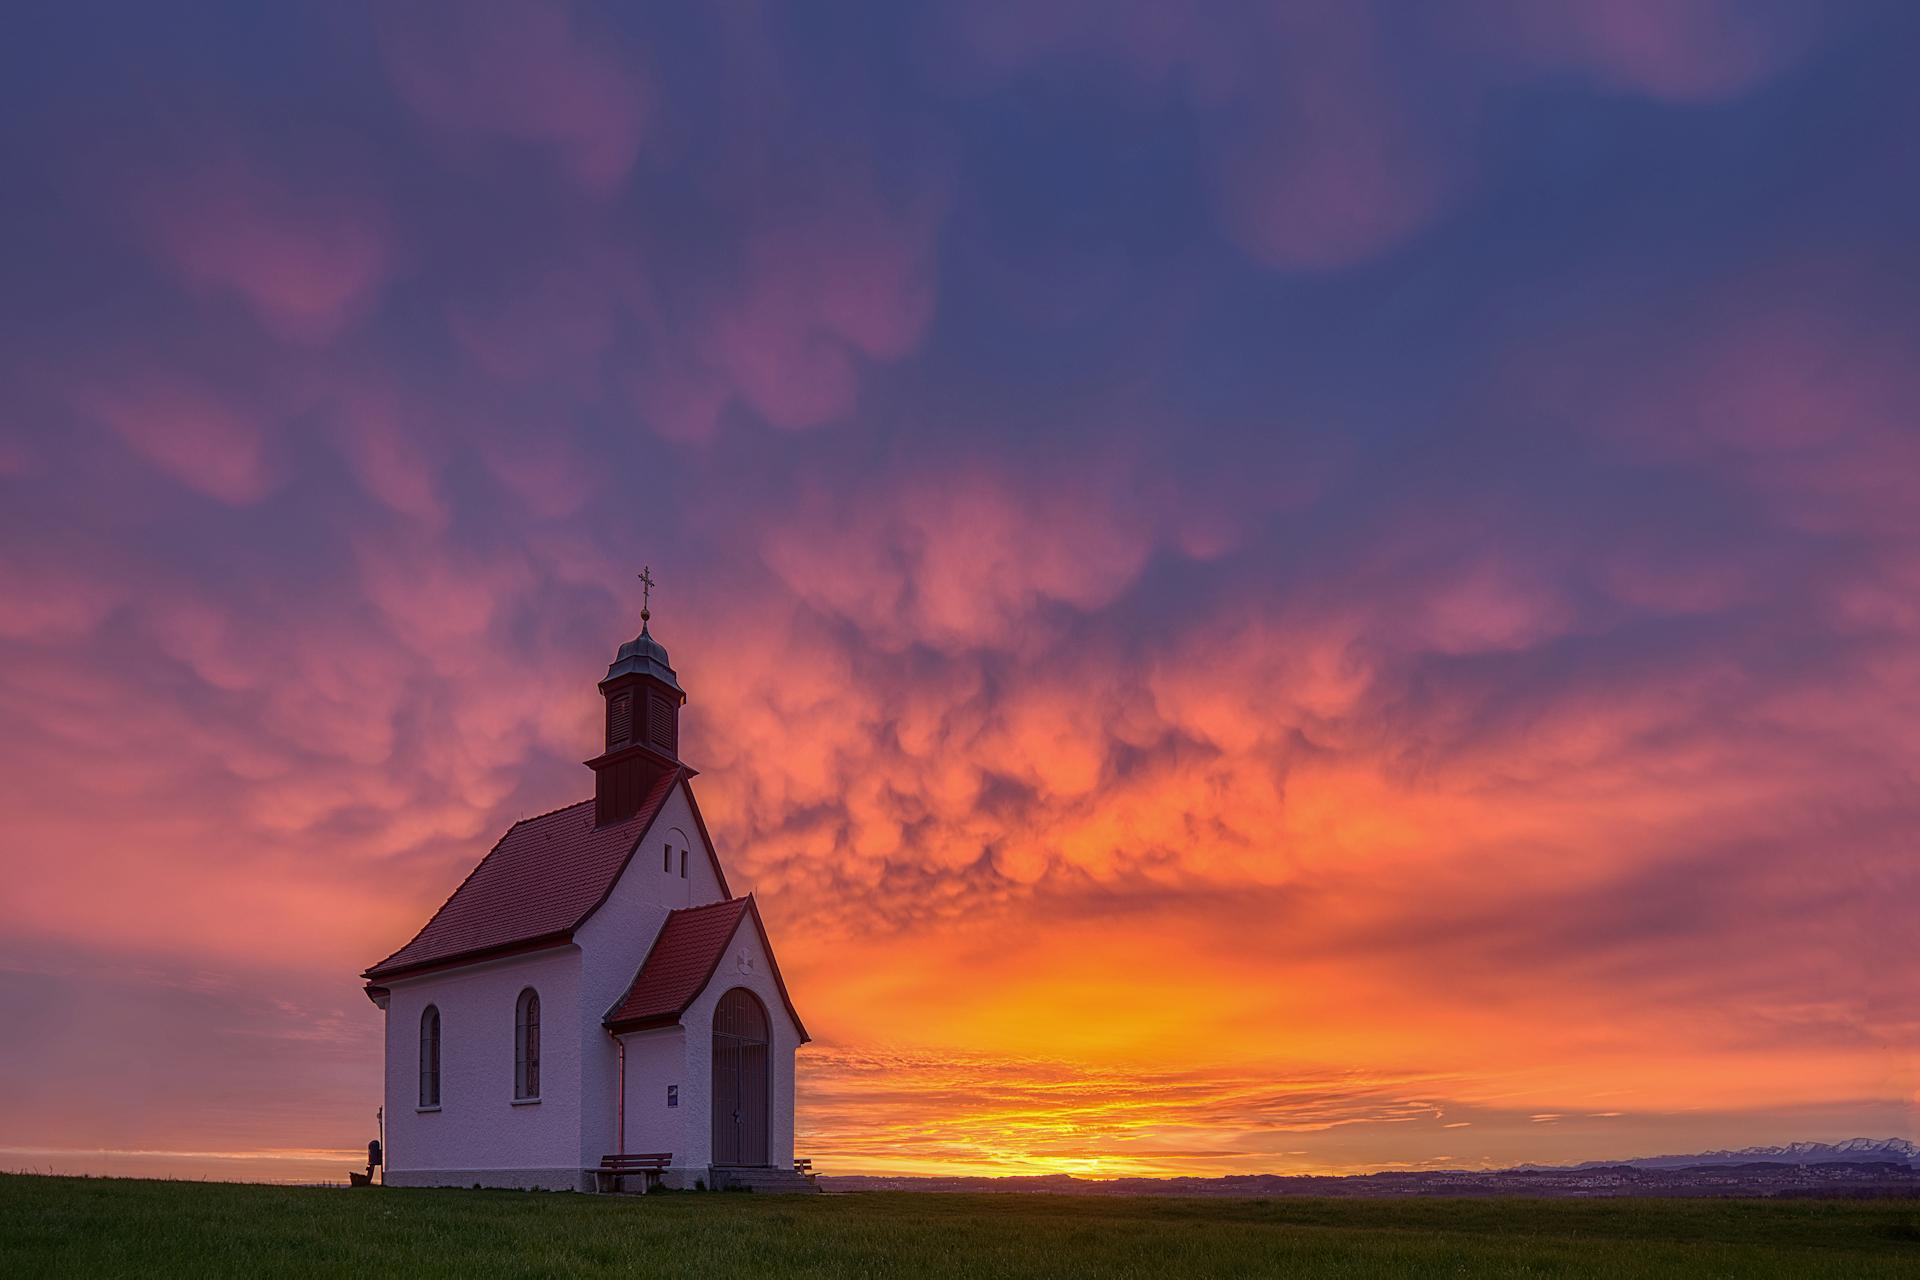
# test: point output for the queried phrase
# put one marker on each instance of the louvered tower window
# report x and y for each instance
(660, 723)
(620, 720)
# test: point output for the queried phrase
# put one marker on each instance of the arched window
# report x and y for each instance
(430, 1057)
(526, 1045)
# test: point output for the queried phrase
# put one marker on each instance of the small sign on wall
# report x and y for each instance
(673, 1095)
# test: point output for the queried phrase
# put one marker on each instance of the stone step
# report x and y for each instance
(763, 1181)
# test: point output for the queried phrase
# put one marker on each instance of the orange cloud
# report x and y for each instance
(1199, 718)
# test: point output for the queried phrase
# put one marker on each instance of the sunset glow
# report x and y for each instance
(1327, 591)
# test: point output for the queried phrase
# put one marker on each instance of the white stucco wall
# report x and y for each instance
(656, 1059)
(699, 884)
(479, 1133)
(696, 1089)
(612, 945)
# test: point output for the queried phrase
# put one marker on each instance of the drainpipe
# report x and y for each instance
(622, 1108)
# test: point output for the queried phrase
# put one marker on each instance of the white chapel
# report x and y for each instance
(592, 1007)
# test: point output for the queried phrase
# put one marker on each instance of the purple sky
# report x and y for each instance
(1310, 586)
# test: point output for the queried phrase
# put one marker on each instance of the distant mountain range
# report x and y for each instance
(1852, 1151)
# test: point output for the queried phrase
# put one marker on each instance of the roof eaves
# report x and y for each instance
(650, 1023)
(617, 1027)
(606, 1019)
(664, 1019)
(713, 966)
(474, 871)
(773, 963)
(476, 955)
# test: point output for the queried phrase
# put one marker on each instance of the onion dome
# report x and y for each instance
(644, 656)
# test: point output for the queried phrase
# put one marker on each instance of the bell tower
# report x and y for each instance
(643, 699)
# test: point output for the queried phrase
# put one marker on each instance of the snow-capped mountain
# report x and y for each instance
(1891, 1150)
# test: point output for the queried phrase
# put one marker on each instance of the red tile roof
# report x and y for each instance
(682, 961)
(539, 884)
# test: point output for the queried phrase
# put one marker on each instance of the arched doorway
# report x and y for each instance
(741, 1081)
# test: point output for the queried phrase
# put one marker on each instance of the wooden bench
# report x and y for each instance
(804, 1168)
(615, 1167)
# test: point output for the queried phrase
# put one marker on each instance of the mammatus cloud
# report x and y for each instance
(943, 725)
(841, 280)
(1693, 50)
(1330, 139)
(814, 258)
(307, 257)
(959, 561)
(1466, 728)
(193, 433)
(537, 74)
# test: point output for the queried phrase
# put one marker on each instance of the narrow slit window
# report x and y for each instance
(526, 1045)
(683, 864)
(667, 866)
(430, 1057)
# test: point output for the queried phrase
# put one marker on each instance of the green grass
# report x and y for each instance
(112, 1227)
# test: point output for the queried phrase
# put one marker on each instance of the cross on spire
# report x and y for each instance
(646, 595)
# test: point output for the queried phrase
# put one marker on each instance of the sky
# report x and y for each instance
(1299, 588)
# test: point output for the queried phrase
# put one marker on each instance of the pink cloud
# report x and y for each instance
(1793, 380)
(523, 70)
(199, 436)
(543, 469)
(1328, 149)
(811, 302)
(200, 634)
(50, 602)
(955, 562)
(443, 605)
(1162, 42)
(1487, 606)
(1680, 50)
(678, 400)
(813, 269)
(1321, 161)
(390, 449)
(215, 750)
(554, 324)
(308, 251)
(1667, 579)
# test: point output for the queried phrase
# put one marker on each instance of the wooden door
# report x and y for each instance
(741, 1080)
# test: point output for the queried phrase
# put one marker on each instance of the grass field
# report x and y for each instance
(110, 1227)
